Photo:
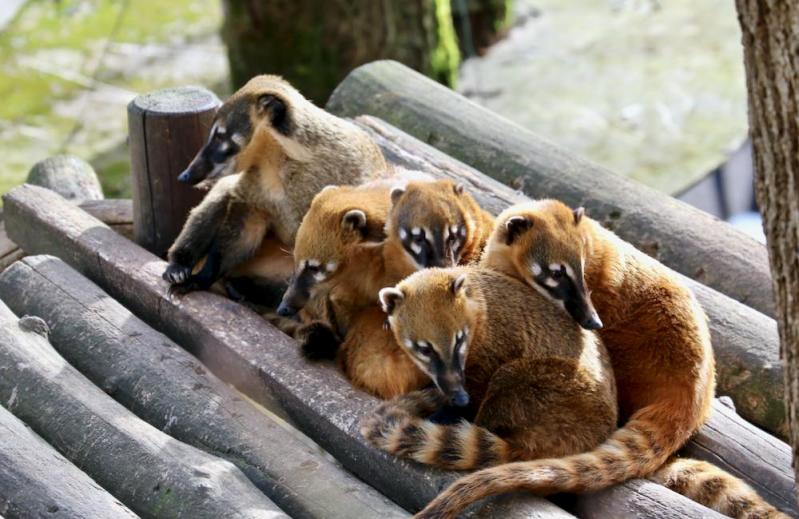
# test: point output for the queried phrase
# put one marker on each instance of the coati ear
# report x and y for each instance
(457, 284)
(458, 189)
(515, 226)
(275, 109)
(396, 193)
(578, 214)
(354, 220)
(328, 188)
(389, 298)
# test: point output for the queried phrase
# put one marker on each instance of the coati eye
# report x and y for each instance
(556, 274)
(423, 348)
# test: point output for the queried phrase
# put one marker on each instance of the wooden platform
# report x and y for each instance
(187, 406)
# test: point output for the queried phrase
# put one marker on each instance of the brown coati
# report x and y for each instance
(283, 150)
(536, 383)
(657, 337)
(436, 224)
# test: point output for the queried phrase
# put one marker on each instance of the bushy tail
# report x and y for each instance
(636, 450)
(396, 427)
(710, 486)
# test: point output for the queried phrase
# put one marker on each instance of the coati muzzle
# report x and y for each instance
(215, 159)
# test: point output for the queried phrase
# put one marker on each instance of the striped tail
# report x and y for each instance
(636, 450)
(397, 427)
(710, 486)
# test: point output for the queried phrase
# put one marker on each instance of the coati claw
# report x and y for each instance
(176, 274)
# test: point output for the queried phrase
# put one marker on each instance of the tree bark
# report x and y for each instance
(487, 22)
(315, 43)
(771, 55)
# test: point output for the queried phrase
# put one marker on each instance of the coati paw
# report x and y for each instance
(318, 341)
(176, 274)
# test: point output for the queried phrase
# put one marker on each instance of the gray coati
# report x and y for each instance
(657, 338)
(537, 383)
(282, 150)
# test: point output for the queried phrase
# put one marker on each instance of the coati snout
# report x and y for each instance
(232, 132)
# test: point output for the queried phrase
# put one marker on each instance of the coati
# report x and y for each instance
(657, 337)
(537, 384)
(436, 224)
(284, 150)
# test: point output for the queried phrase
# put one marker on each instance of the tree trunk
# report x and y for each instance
(480, 23)
(771, 54)
(315, 43)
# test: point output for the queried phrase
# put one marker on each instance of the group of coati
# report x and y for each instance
(513, 346)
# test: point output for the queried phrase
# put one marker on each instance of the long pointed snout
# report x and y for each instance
(584, 313)
(197, 170)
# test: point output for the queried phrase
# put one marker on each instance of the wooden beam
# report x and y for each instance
(241, 348)
(37, 481)
(688, 240)
(164, 385)
(744, 340)
(152, 473)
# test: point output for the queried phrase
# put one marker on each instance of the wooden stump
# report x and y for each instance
(69, 176)
(37, 481)
(166, 129)
(152, 473)
(167, 387)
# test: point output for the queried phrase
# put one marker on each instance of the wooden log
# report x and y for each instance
(167, 387)
(67, 175)
(688, 240)
(116, 213)
(747, 452)
(166, 129)
(153, 474)
(241, 348)
(37, 481)
(745, 341)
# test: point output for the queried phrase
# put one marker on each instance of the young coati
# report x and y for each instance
(537, 384)
(285, 151)
(658, 341)
(436, 224)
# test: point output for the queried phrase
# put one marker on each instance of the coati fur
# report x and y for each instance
(282, 150)
(436, 224)
(657, 337)
(537, 384)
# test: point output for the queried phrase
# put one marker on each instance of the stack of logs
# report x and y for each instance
(194, 406)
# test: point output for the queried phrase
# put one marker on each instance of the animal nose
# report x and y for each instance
(285, 310)
(184, 177)
(592, 322)
(460, 398)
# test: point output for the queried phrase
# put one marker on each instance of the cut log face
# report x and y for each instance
(167, 387)
(673, 232)
(241, 348)
(37, 481)
(745, 341)
(152, 473)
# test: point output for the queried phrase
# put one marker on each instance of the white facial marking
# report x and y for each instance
(303, 264)
(221, 130)
(550, 282)
(554, 267)
(446, 233)
(224, 146)
(408, 343)
(314, 262)
(238, 139)
(536, 269)
(403, 234)
(416, 231)
(416, 248)
(319, 276)
(569, 270)
(330, 267)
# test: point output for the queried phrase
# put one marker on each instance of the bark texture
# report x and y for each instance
(315, 43)
(771, 53)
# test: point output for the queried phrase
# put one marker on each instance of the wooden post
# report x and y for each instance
(166, 129)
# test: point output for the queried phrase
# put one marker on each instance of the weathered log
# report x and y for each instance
(167, 387)
(37, 481)
(116, 213)
(67, 175)
(152, 473)
(745, 341)
(166, 130)
(241, 348)
(688, 240)
(747, 452)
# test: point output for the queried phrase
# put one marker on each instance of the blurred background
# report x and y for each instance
(653, 90)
